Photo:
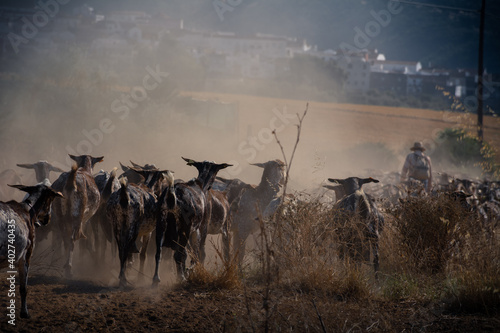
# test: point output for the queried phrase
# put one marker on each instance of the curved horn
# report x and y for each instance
(97, 160)
(189, 161)
(224, 165)
(368, 180)
(55, 193)
(22, 187)
(124, 168)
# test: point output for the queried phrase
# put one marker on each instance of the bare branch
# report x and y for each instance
(289, 164)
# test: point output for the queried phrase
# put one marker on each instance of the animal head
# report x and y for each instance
(156, 180)
(352, 184)
(86, 162)
(39, 199)
(135, 174)
(207, 171)
(145, 167)
(274, 172)
(42, 169)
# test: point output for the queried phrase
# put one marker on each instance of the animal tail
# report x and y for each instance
(124, 199)
(171, 198)
(108, 189)
(71, 181)
(169, 178)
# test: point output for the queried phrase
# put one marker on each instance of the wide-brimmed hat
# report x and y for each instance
(418, 146)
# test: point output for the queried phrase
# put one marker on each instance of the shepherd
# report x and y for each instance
(418, 167)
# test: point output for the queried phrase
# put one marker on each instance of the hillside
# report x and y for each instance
(442, 37)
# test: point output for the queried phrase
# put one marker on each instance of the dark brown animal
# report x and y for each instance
(182, 210)
(102, 229)
(17, 232)
(81, 201)
(356, 203)
(132, 213)
(217, 212)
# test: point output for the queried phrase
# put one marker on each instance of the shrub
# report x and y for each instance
(222, 277)
(306, 244)
(474, 273)
(464, 152)
(429, 229)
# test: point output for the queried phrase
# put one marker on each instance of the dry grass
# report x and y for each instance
(224, 276)
(304, 249)
(431, 251)
(474, 273)
(430, 230)
(434, 249)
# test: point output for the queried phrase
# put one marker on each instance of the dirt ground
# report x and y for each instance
(83, 306)
(92, 302)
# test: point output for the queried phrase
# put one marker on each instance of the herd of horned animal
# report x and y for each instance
(146, 201)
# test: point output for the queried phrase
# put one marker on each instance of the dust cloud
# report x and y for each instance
(70, 103)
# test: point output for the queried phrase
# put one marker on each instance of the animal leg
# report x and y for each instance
(23, 285)
(375, 258)
(144, 249)
(180, 256)
(160, 234)
(69, 259)
(94, 223)
(123, 254)
(195, 247)
(226, 245)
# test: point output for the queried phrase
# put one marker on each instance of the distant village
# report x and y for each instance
(122, 34)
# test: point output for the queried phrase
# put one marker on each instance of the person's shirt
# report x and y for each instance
(411, 162)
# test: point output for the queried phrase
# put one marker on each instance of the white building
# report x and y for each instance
(356, 67)
(391, 66)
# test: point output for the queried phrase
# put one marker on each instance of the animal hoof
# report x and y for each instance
(156, 281)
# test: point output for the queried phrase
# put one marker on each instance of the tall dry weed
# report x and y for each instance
(223, 276)
(310, 247)
(429, 230)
